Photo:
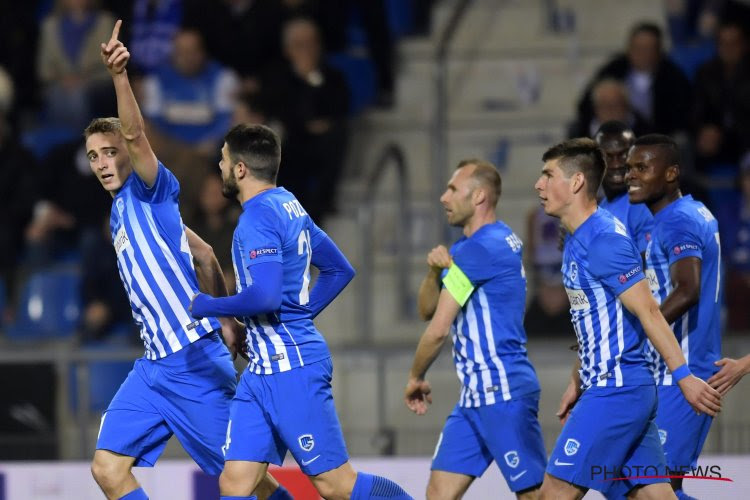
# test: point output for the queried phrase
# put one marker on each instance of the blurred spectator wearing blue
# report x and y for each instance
(191, 99)
(152, 30)
(610, 102)
(69, 65)
(240, 34)
(18, 176)
(692, 25)
(734, 224)
(722, 103)
(658, 89)
(311, 100)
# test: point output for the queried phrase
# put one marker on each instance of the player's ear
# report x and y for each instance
(672, 173)
(577, 182)
(479, 195)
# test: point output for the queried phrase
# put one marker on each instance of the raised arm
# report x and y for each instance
(639, 301)
(115, 57)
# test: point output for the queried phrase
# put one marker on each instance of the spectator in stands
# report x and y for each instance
(547, 313)
(311, 100)
(658, 89)
(722, 101)
(68, 63)
(19, 34)
(240, 34)
(214, 218)
(734, 224)
(190, 101)
(18, 175)
(610, 103)
(105, 306)
(152, 30)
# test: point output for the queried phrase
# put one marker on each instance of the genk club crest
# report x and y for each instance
(306, 442)
(571, 447)
(512, 459)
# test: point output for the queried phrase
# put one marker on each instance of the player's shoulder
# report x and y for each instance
(685, 214)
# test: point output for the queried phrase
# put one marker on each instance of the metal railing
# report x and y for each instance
(439, 130)
(392, 153)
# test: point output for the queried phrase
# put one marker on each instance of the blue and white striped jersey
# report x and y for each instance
(273, 226)
(155, 263)
(636, 217)
(686, 228)
(489, 342)
(600, 262)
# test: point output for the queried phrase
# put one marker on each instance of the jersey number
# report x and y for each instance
(303, 245)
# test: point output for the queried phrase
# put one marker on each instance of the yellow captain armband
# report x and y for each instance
(458, 284)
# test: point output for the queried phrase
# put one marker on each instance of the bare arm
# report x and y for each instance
(429, 291)
(571, 394)
(211, 281)
(685, 275)
(417, 393)
(639, 301)
(115, 56)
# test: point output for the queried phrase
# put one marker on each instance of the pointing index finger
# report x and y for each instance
(116, 31)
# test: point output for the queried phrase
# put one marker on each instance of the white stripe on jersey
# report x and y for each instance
(150, 354)
(604, 328)
(473, 327)
(588, 329)
(472, 397)
(260, 368)
(160, 280)
(491, 343)
(167, 254)
(296, 347)
(685, 335)
(136, 299)
(278, 344)
(620, 343)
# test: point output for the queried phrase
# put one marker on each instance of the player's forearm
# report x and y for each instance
(335, 273)
(678, 302)
(128, 111)
(575, 374)
(429, 293)
(661, 336)
(210, 275)
(428, 350)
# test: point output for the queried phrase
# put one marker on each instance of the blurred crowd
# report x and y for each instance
(696, 89)
(303, 67)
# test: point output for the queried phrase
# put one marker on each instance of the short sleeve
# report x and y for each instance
(678, 239)
(476, 262)
(259, 236)
(166, 187)
(615, 261)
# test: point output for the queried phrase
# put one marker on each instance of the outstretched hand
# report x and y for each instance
(732, 371)
(115, 55)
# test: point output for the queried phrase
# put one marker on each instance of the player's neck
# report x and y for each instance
(477, 221)
(577, 215)
(660, 204)
(252, 189)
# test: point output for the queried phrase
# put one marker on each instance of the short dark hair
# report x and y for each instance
(613, 130)
(646, 27)
(579, 155)
(258, 147)
(108, 125)
(664, 142)
(487, 175)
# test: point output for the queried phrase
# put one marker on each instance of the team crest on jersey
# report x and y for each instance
(571, 447)
(662, 436)
(306, 442)
(120, 204)
(512, 459)
(573, 272)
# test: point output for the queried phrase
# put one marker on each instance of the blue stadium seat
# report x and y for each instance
(43, 139)
(105, 377)
(400, 17)
(359, 73)
(49, 306)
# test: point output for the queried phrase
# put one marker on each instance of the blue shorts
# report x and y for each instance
(681, 431)
(610, 434)
(291, 410)
(507, 432)
(188, 394)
